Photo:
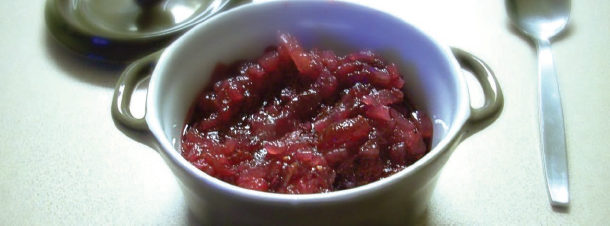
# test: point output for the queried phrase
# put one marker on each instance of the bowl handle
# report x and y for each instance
(135, 72)
(491, 89)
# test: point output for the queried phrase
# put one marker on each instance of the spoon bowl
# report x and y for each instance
(539, 19)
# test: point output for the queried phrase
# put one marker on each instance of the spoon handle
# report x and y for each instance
(551, 128)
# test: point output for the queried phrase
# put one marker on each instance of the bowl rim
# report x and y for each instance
(168, 148)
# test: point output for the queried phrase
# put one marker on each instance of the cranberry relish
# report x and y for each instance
(296, 121)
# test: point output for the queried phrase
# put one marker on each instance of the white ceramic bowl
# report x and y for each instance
(434, 83)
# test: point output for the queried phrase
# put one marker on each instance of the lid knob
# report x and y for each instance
(147, 3)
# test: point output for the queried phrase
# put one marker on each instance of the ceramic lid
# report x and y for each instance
(124, 30)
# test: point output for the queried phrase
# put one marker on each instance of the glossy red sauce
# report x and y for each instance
(296, 121)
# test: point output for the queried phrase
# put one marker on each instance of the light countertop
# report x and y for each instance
(63, 160)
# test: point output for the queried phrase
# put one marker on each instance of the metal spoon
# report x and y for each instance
(542, 20)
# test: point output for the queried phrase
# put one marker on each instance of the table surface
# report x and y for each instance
(64, 161)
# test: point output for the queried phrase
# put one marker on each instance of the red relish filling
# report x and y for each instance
(296, 121)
